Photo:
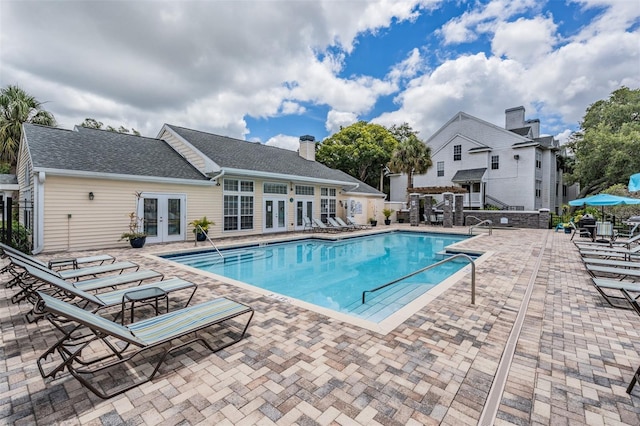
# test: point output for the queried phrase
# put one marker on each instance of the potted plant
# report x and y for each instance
(201, 227)
(136, 237)
(387, 213)
(373, 221)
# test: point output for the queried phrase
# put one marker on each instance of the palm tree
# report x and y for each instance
(17, 107)
(411, 156)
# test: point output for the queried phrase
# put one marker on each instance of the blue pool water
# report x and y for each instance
(333, 274)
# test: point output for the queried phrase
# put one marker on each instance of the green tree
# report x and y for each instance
(361, 150)
(17, 107)
(411, 156)
(92, 123)
(606, 146)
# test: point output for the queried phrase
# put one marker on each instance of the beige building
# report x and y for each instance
(79, 187)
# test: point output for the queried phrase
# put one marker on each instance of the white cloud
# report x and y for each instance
(338, 119)
(207, 64)
(482, 18)
(291, 143)
(525, 40)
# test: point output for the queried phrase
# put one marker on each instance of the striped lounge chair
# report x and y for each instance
(137, 349)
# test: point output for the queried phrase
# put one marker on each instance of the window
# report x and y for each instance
(440, 168)
(457, 152)
(538, 188)
(327, 203)
(495, 162)
(538, 160)
(237, 204)
(275, 188)
(304, 190)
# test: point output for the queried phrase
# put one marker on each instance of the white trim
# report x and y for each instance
(115, 176)
(210, 166)
(38, 212)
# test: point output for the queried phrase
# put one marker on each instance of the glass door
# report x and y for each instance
(275, 217)
(164, 217)
(304, 208)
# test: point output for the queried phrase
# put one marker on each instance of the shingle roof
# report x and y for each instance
(469, 175)
(101, 151)
(238, 154)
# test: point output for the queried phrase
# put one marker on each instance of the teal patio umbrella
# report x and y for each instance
(604, 200)
(634, 183)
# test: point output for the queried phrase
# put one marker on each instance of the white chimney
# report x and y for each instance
(308, 147)
(514, 118)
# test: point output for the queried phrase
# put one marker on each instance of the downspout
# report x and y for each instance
(216, 177)
(38, 212)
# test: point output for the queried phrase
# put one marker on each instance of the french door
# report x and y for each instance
(164, 217)
(304, 208)
(275, 217)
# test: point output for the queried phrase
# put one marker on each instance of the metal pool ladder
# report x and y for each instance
(426, 268)
(209, 239)
(484, 222)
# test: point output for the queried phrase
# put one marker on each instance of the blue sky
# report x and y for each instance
(270, 71)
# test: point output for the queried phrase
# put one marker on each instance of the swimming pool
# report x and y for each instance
(334, 273)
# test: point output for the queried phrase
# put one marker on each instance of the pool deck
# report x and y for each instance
(540, 346)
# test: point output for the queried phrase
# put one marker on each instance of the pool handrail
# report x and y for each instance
(209, 239)
(477, 225)
(426, 268)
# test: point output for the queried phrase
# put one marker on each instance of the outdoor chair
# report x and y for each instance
(352, 221)
(604, 284)
(611, 262)
(334, 224)
(636, 306)
(69, 292)
(621, 273)
(30, 283)
(320, 226)
(344, 224)
(582, 232)
(74, 262)
(134, 350)
(611, 252)
(605, 231)
(73, 274)
(307, 224)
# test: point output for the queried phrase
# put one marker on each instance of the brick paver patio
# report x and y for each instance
(571, 362)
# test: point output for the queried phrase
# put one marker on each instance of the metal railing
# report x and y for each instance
(426, 268)
(478, 225)
(208, 239)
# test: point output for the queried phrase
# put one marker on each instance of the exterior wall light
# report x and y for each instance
(91, 196)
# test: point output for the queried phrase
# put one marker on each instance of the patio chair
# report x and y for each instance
(75, 274)
(611, 262)
(636, 306)
(69, 292)
(29, 280)
(344, 224)
(320, 226)
(74, 262)
(611, 252)
(334, 224)
(307, 224)
(125, 344)
(621, 273)
(604, 284)
(605, 231)
(581, 231)
(352, 221)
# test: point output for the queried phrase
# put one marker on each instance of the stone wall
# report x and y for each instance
(510, 218)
